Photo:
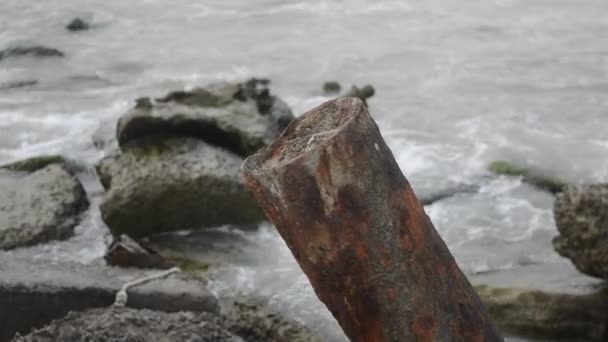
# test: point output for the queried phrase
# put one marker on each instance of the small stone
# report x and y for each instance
(331, 87)
(78, 24)
(126, 252)
(363, 93)
(580, 217)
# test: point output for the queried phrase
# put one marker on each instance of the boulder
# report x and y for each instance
(533, 177)
(174, 184)
(38, 207)
(126, 252)
(78, 24)
(33, 293)
(239, 117)
(551, 301)
(30, 51)
(581, 217)
(130, 325)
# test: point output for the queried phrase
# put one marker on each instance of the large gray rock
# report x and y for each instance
(549, 301)
(129, 325)
(175, 184)
(581, 216)
(39, 207)
(239, 117)
(33, 293)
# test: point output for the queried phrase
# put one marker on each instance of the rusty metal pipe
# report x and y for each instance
(334, 191)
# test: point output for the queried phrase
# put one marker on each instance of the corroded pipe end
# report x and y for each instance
(305, 134)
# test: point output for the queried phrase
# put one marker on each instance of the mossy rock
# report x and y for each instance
(582, 223)
(239, 117)
(179, 184)
(41, 206)
(198, 97)
(193, 267)
(530, 176)
(547, 315)
(35, 163)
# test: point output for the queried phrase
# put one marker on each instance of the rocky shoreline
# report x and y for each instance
(176, 167)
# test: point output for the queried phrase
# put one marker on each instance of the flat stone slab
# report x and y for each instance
(556, 277)
(33, 293)
(551, 300)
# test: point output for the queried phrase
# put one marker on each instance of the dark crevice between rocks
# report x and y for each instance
(40, 308)
(153, 128)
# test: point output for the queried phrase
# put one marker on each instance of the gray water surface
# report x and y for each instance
(459, 83)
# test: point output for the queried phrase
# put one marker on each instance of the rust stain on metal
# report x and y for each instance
(336, 195)
(424, 327)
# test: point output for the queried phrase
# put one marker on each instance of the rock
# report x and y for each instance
(32, 51)
(17, 84)
(175, 184)
(78, 24)
(530, 176)
(42, 206)
(363, 93)
(126, 252)
(331, 87)
(582, 221)
(33, 293)
(35, 163)
(202, 253)
(239, 117)
(250, 319)
(129, 325)
(549, 301)
(550, 315)
(431, 198)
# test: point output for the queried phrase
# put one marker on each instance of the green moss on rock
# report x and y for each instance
(193, 267)
(198, 97)
(35, 163)
(530, 176)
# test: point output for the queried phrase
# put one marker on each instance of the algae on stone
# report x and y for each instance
(530, 176)
(241, 117)
(35, 163)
